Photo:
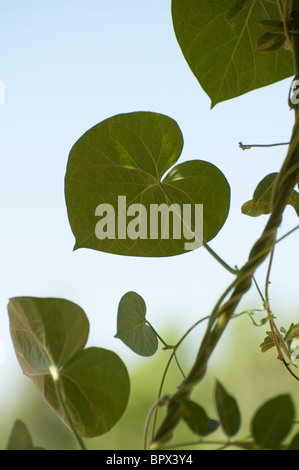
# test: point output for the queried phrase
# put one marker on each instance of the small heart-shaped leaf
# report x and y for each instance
(120, 201)
(50, 335)
(95, 388)
(261, 202)
(228, 410)
(132, 326)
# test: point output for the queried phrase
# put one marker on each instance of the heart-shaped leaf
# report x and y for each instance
(261, 202)
(197, 419)
(132, 326)
(273, 421)
(50, 335)
(118, 201)
(218, 40)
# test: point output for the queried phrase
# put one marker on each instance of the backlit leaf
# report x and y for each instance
(218, 40)
(132, 327)
(120, 165)
(261, 202)
(50, 335)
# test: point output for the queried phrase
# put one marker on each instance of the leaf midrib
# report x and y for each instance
(235, 48)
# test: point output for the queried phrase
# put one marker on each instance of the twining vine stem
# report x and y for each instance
(199, 237)
(249, 146)
(173, 355)
(277, 338)
(224, 309)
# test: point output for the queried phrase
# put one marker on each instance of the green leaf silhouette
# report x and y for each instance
(50, 334)
(273, 421)
(218, 41)
(132, 327)
(127, 156)
(261, 202)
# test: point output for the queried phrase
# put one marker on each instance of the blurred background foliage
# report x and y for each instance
(57, 86)
(249, 375)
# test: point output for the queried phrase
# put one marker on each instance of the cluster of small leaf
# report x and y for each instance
(270, 425)
(286, 342)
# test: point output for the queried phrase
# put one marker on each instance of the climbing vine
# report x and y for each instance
(123, 185)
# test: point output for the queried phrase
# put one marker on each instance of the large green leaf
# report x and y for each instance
(122, 161)
(50, 335)
(273, 421)
(132, 326)
(218, 40)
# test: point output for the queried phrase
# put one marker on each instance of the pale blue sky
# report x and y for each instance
(70, 64)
